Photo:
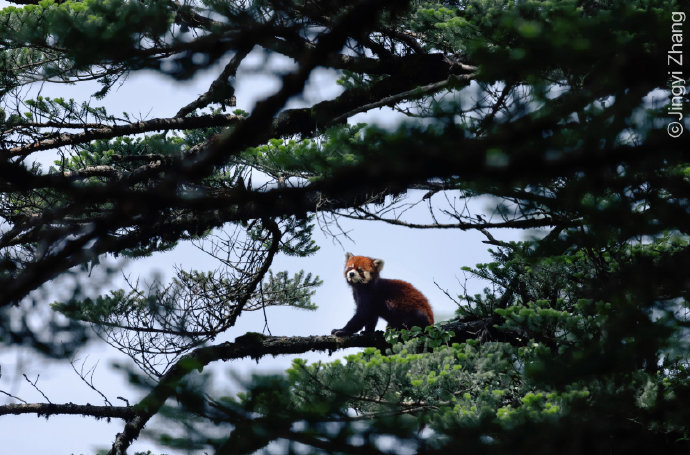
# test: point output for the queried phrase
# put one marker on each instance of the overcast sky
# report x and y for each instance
(422, 257)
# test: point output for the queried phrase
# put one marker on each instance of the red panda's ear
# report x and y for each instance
(348, 256)
(378, 263)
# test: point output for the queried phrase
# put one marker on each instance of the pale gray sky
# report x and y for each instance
(421, 257)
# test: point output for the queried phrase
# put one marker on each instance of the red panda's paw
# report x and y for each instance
(340, 333)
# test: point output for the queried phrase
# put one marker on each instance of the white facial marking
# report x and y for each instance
(351, 276)
(355, 276)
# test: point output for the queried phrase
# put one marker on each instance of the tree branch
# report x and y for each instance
(528, 223)
(435, 74)
(49, 409)
(336, 191)
(220, 89)
(252, 345)
(256, 345)
(407, 95)
(157, 124)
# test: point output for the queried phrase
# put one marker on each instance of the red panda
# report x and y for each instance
(396, 301)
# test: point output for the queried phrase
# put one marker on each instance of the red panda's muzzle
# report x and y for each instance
(354, 276)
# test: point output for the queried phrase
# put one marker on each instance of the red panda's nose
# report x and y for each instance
(351, 273)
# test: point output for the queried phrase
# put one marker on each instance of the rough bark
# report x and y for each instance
(51, 409)
(255, 346)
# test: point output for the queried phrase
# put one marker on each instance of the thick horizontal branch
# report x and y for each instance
(438, 73)
(345, 188)
(256, 345)
(252, 345)
(526, 223)
(158, 124)
(93, 171)
(407, 95)
(358, 20)
(50, 409)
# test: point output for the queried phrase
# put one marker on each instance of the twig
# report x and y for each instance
(492, 240)
(263, 308)
(36, 387)
(12, 396)
(481, 225)
(447, 293)
(89, 382)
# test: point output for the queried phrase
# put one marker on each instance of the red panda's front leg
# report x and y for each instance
(363, 318)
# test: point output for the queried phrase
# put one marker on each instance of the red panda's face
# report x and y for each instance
(361, 269)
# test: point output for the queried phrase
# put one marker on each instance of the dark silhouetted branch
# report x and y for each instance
(158, 124)
(51, 409)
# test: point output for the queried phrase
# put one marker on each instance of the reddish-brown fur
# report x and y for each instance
(406, 297)
(361, 261)
(397, 301)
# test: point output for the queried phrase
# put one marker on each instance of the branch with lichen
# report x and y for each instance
(52, 409)
(255, 346)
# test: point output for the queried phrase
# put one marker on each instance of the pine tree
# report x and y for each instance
(567, 115)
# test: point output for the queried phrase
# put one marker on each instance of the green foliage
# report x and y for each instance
(56, 110)
(117, 302)
(543, 106)
(281, 289)
(115, 152)
(542, 35)
(96, 30)
(449, 387)
(351, 80)
(313, 158)
(297, 240)
(434, 336)
(174, 306)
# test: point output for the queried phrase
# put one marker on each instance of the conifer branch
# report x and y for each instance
(255, 346)
(406, 96)
(220, 89)
(480, 224)
(158, 124)
(211, 210)
(51, 409)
